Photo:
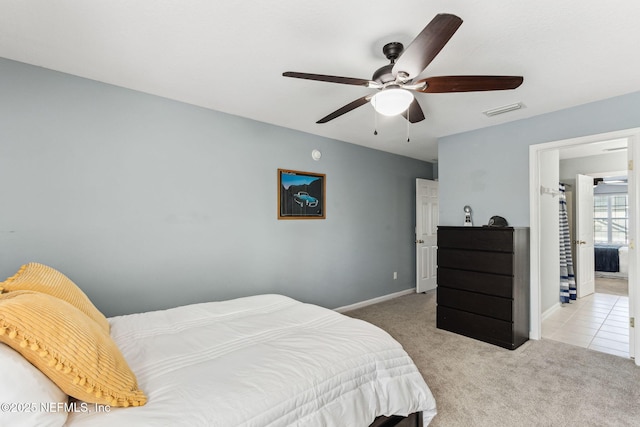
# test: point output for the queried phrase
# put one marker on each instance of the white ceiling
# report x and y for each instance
(229, 56)
(594, 149)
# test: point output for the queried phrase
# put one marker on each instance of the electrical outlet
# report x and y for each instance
(395, 275)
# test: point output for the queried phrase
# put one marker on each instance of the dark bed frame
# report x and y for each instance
(413, 420)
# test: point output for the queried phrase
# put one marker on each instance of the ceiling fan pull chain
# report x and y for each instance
(375, 117)
(408, 117)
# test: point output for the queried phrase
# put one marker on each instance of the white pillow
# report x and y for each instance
(27, 396)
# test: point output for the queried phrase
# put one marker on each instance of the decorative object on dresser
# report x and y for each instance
(483, 283)
(467, 216)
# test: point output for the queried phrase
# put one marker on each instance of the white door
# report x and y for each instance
(426, 234)
(585, 255)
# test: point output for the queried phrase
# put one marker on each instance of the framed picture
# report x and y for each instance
(300, 195)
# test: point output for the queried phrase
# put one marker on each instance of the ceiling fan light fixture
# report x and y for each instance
(396, 81)
(392, 101)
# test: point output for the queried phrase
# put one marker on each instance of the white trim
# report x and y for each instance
(550, 311)
(374, 300)
(535, 324)
(633, 138)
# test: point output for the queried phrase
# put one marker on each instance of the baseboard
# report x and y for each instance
(612, 275)
(548, 312)
(374, 300)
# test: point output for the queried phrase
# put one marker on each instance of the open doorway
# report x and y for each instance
(595, 180)
(611, 227)
(544, 171)
(604, 167)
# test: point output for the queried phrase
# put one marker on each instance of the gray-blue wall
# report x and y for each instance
(488, 169)
(148, 203)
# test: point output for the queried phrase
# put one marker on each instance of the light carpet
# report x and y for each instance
(542, 383)
(612, 286)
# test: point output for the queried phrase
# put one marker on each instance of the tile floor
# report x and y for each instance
(599, 322)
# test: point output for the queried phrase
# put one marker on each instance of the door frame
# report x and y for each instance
(633, 152)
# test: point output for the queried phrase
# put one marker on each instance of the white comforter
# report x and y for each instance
(265, 360)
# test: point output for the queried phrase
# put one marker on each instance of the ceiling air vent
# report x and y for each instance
(503, 109)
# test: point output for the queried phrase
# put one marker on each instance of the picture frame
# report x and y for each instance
(301, 195)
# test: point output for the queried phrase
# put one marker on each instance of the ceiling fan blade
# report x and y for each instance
(414, 113)
(421, 51)
(350, 106)
(445, 84)
(330, 79)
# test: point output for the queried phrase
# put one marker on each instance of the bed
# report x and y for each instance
(611, 258)
(607, 258)
(264, 360)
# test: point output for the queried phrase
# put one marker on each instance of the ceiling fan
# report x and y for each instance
(396, 81)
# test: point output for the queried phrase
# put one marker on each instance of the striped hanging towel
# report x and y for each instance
(567, 276)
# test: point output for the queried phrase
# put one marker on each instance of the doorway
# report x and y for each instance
(544, 159)
(597, 211)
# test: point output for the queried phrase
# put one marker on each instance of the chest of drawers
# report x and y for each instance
(483, 283)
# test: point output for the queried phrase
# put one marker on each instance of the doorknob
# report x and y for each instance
(580, 242)
(419, 241)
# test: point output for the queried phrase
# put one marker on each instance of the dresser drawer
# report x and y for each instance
(472, 325)
(485, 305)
(477, 238)
(485, 262)
(486, 283)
